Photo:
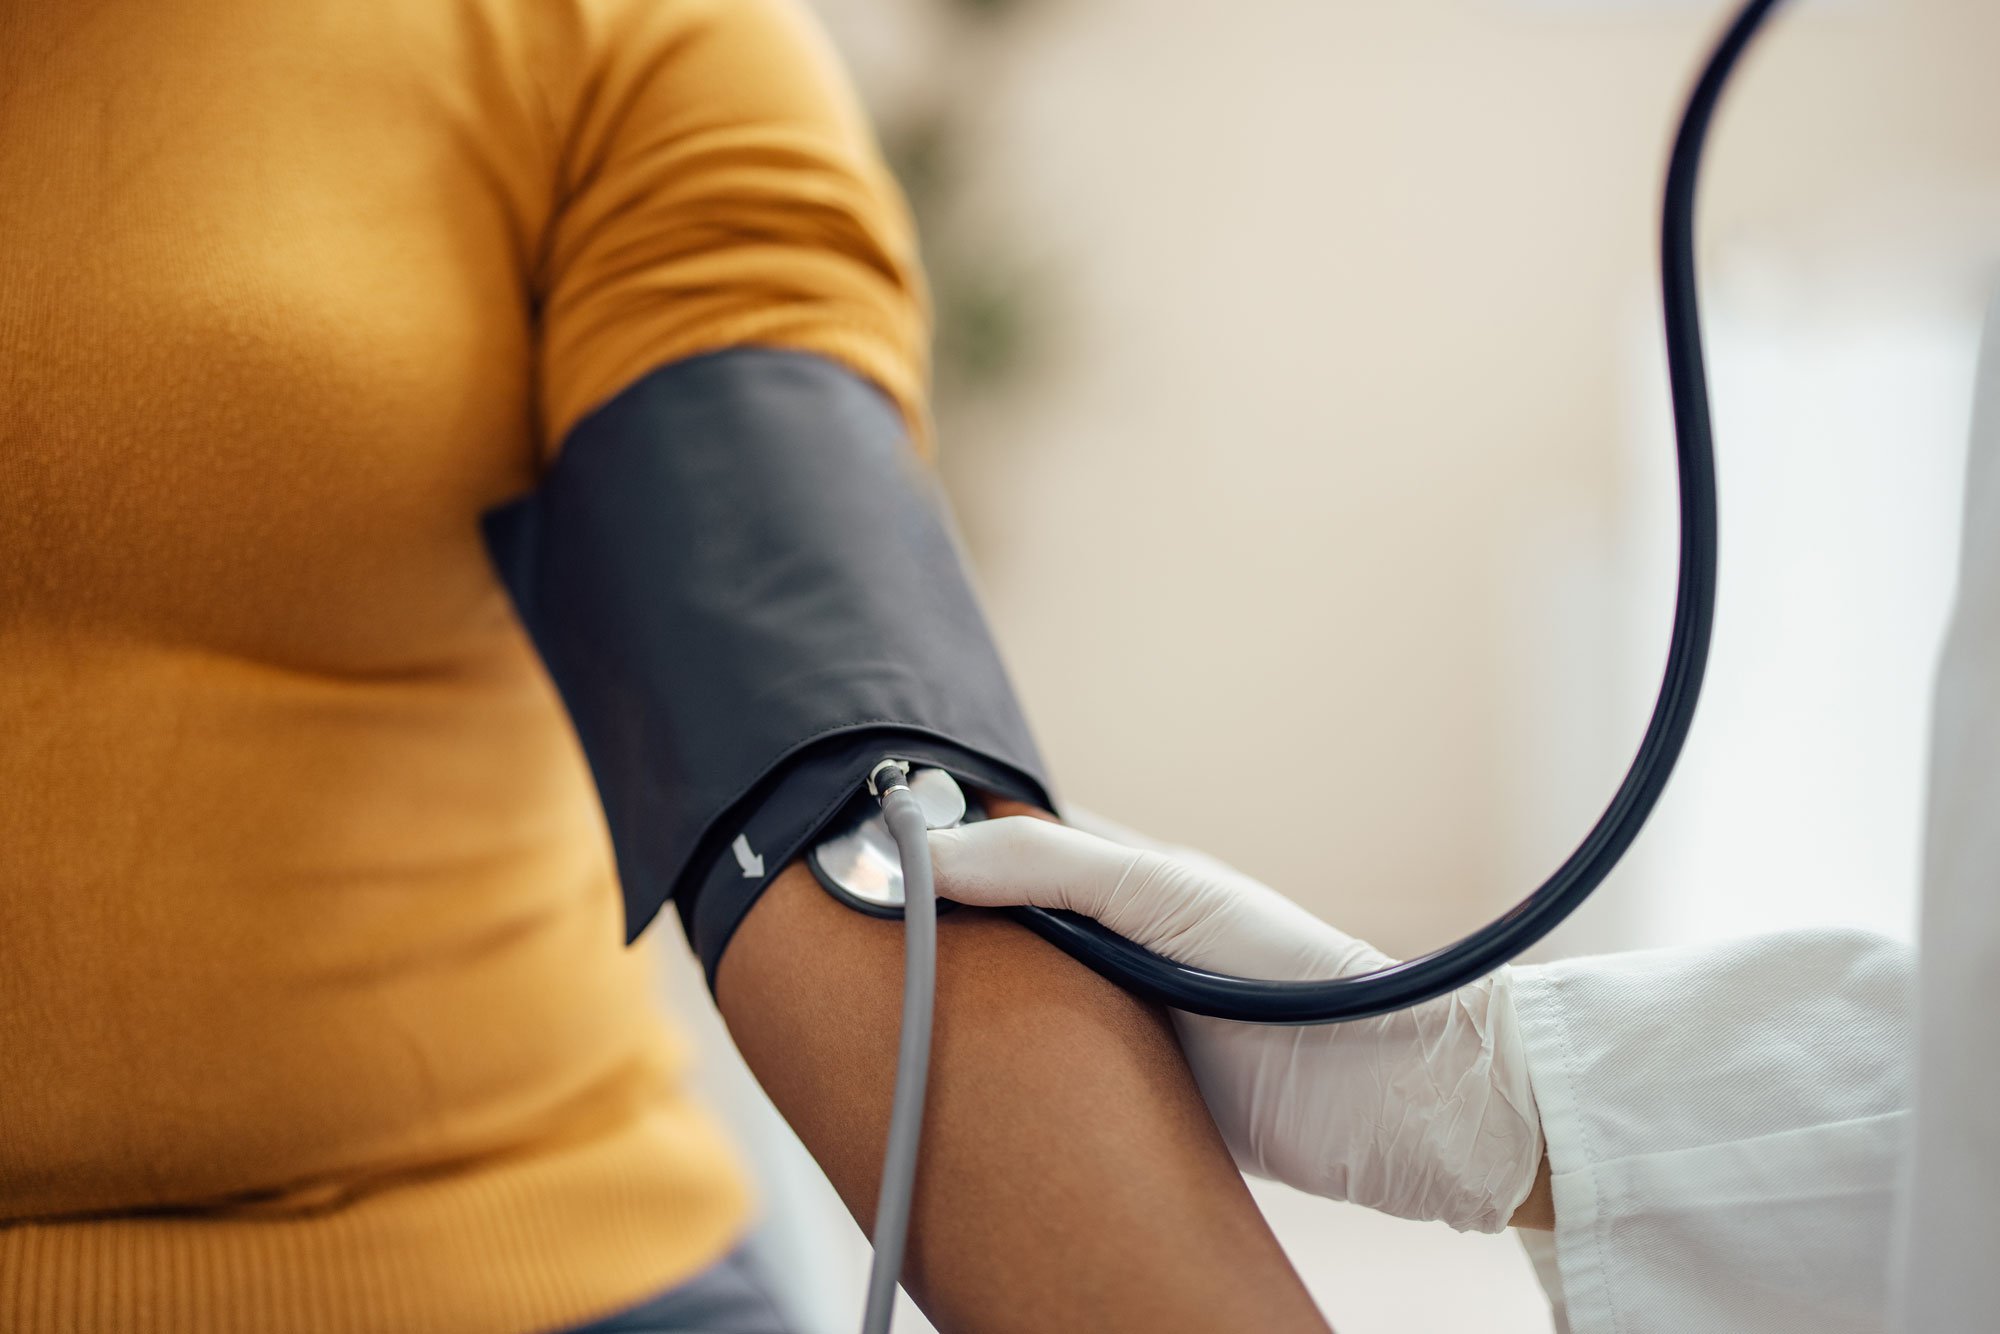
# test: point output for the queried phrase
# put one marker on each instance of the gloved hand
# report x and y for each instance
(1424, 1114)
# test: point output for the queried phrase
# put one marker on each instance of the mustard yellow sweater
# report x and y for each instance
(313, 1010)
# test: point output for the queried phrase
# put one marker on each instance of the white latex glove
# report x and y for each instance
(1424, 1114)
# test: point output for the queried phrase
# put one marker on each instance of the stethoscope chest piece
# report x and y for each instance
(857, 861)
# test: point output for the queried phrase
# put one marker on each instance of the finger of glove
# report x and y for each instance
(1194, 910)
(999, 863)
(1232, 922)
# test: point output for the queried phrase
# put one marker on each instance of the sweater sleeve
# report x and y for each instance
(1726, 1126)
(718, 187)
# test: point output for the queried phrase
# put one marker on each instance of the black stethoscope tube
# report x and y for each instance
(1416, 980)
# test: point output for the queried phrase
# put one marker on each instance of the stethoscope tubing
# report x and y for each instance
(1414, 981)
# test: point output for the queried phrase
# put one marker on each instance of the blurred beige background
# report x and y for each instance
(1339, 459)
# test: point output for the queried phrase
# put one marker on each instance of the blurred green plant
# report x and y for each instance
(986, 305)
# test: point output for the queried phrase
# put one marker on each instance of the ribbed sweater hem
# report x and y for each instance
(539, 1241)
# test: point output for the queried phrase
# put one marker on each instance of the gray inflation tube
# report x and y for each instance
(894, 1197)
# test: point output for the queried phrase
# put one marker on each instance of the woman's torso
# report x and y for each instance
(303, 886)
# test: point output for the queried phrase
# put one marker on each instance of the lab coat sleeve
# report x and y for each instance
(1948, 1273)
(1725, 1127)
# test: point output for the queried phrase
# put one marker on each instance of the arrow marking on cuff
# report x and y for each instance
(751, 862)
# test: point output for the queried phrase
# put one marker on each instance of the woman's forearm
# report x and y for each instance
(1070, 1177)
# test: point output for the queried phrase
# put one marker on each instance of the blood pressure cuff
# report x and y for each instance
(745, 587)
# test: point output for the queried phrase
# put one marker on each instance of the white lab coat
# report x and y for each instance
(1801, 1132)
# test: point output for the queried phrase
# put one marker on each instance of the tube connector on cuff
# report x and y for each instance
(891, 775)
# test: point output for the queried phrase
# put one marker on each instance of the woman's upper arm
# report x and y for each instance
(717, 185)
